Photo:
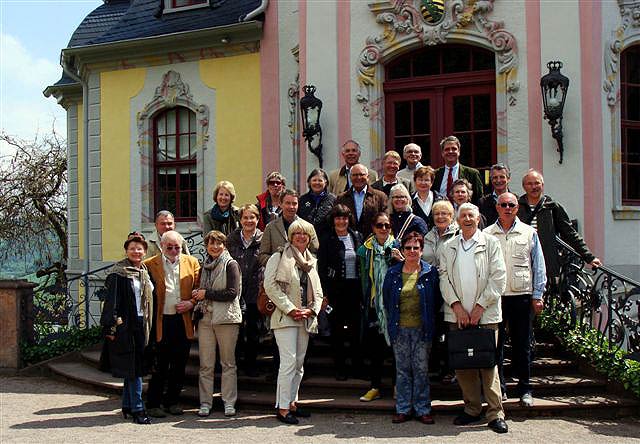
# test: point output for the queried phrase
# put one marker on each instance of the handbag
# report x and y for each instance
(472, 348)
(265, 305)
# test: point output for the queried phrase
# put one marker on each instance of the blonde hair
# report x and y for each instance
(443, 205)
(299, 226)
(393, 154)
(227, 186)
(251, 208)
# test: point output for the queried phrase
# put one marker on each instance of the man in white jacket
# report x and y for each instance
(472, 280)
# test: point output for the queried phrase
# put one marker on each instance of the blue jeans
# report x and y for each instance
(412, 372)
(132, 394)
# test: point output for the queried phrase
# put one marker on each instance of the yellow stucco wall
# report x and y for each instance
(238, 142)
(116, 143)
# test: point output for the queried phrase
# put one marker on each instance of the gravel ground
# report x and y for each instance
(43, 410)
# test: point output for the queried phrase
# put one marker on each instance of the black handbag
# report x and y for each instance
(473, 348)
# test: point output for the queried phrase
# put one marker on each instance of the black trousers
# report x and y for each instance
(173, 353)
(345, 324)
(516, 317)
(250, 336)
(376, 350)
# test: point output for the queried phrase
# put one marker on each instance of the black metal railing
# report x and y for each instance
(598, 298)
(77, 301)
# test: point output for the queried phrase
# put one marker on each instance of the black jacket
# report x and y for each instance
(487, 207)
(247, 259)
(417, 209)
(331, 263)
(124, 355)
(317, 214)
(553, 220)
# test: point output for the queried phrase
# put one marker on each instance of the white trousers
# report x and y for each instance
(292, 345)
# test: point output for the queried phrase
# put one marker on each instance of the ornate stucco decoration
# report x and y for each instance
(173, 92)
(405, 28)
(628, 32)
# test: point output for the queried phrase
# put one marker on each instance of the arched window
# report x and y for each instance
(630, 125)
(174, 163)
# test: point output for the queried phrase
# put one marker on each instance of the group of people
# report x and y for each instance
(385, 266)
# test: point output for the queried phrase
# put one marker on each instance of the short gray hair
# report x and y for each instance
(398, 189)
(411, 145)
(468, 206)
(171, 234)
(164, 213)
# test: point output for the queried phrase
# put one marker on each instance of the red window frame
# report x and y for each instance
(440, 88)
(629, 160)
(181, 164)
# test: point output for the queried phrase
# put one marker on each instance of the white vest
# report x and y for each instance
(516, 248)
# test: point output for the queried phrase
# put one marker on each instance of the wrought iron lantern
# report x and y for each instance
(311, 108)
(554, 87)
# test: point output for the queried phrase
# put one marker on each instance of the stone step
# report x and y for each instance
(596, 405)
(543, 384)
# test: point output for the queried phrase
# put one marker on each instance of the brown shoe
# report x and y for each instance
(426, 419)
(399, 418)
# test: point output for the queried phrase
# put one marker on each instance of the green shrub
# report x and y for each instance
(592, 345)
(70, 339)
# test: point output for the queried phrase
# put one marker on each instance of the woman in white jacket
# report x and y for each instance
(291, 281)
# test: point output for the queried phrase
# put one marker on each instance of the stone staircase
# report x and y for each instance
(560, 386)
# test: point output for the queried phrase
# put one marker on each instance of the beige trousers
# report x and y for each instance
(476, 382)
(224, 336)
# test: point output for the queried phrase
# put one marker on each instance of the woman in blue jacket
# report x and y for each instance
(409, 301)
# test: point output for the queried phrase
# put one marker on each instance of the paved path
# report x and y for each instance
(42, 410)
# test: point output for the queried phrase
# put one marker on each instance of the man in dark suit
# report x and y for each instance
(452, 170)
(390, 167)
(500, 178)
(363, 201)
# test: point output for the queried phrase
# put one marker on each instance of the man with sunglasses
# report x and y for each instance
(526, 280)
(174, 277)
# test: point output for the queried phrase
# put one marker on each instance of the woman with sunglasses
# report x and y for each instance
(269, 201)
(375, 256)
(409, 300)
(126, 323)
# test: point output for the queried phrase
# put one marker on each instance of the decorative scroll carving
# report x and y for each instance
(628, 31)
(405, 28)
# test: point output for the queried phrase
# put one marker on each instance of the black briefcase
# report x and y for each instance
(472, 348)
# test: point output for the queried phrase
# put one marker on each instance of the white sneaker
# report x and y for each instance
(526, 400)
(229, 410)
(204, 410)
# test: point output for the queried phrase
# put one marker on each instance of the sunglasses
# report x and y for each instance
(274, 182)
(173, 247)
(507, 204)
(412, 248)
(382, 226)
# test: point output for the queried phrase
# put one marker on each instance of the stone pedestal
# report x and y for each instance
(16, 321)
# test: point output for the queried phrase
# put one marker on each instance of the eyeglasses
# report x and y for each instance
(412, 248)
(507, 204)
(382, 226)
(135, 234)
(274, 182)
(172, 247)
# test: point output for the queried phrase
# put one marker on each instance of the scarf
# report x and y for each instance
(289, 259)
(317, 197)
(378, 265)
(126, 269)
(217, 214)
(212, 269)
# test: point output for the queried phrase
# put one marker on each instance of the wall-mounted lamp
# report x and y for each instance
(311, 107)
(554, 87)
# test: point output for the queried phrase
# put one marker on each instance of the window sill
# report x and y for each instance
(626, 212)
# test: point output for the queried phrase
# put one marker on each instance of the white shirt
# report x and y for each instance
(138, 293)
(466, 269)
(172, 285)
(407, 173)
(427, 204)
(454, 174)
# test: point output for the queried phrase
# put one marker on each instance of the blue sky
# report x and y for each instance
(32, 33)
